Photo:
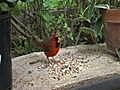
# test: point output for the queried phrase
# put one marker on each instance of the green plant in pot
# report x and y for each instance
(111, 18)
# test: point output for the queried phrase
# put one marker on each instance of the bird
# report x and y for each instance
(50, 47)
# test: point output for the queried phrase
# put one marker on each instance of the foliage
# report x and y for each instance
(110, 3)
(78, 21)
(3, 7)
(23, 46)
(6, 5)
(55, 4)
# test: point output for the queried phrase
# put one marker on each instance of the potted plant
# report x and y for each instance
(112, 27)
(111, 18)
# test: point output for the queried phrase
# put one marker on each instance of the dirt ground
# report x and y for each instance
(73, 64)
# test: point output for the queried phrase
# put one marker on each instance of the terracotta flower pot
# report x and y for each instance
(112, 28)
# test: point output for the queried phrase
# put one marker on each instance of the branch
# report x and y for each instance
(20, 27)
(77, 38)
(20, 30)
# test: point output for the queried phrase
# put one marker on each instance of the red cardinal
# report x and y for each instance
(50, 47)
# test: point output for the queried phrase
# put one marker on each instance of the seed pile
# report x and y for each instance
(66, 68)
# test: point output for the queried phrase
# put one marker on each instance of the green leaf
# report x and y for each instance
(88, 31)
(102, 6)
(4, 7)
(12, 1)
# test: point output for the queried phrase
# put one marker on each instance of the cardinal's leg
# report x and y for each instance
(53, 59)
(50, 60)
(57, 62)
